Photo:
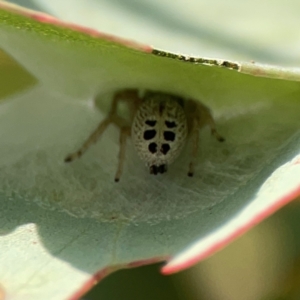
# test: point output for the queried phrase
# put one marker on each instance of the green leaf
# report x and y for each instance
(13, 77)
(61, 223)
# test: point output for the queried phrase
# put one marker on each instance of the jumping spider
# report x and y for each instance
(159, 125)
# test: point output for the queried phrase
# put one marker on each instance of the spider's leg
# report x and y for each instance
(124, 133)
(206, 118)
(130, 96)
(195, 136)
(91, 140)
(199, 116)
(122, 95)
(211, 123)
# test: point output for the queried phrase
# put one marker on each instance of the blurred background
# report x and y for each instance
(265, 262)
(265, 31)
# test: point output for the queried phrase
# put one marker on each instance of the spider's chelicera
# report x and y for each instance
(159, 125)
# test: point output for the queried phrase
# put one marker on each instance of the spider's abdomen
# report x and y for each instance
(159, 131)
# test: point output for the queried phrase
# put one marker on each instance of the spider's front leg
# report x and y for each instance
(195, 146)
(199, 116)
(131, 97)
(124, 133)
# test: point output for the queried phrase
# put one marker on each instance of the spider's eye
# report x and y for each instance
(170, 124)
(150, 123)
(152, 147)
(169, 136)
(149, 134)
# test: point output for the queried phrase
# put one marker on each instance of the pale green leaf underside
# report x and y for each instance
(142, 216)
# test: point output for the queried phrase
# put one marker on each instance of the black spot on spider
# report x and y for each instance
(165, 148)
(152, 147)
(151, 123)
(153, 170)
(149, 134)
(169, 136)
(170, 124)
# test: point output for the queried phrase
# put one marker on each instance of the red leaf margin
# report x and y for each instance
(48, 19)
(108, 270)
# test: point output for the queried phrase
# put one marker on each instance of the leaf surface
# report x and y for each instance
(61, 223)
